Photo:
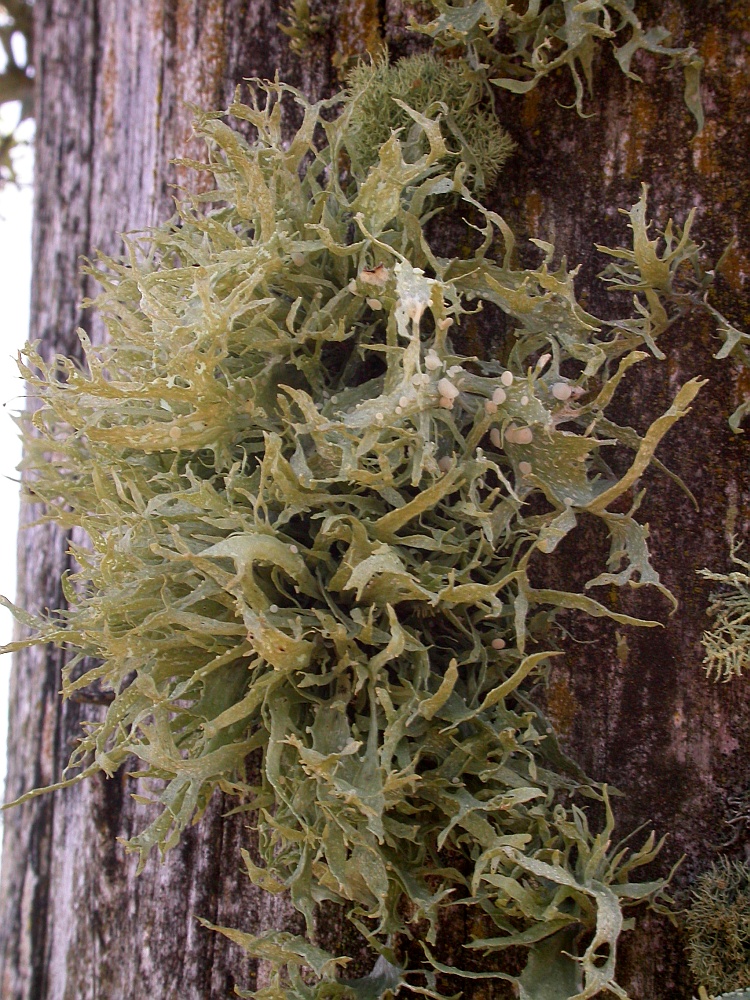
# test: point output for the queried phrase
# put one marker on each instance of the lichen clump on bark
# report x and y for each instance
(517, 46)
(727, 642)
(310, 524)
(718, 925)
(381, 96)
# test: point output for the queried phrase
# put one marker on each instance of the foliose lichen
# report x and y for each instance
(301, 26)
(309, 535)
(310, 521)
(736, 347)
(517, 48)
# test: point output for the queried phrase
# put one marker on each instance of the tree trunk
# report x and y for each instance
(115, 79)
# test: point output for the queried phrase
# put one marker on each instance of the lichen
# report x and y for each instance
(518, 49)
(736, 346)
(380, 94)
(718, 926)
(359, 33)
(309, 523)
(727, 644)
(302, 27)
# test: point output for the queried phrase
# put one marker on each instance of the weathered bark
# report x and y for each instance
(115, 78)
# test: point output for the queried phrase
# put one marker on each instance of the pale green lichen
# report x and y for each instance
(309, 534)
(520, 47)
(727, 644)
(381, 94)
(703, 994)
(718, 926)
(736, 346)
(302, 27)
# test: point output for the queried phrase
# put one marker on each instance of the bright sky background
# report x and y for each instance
(15, 279)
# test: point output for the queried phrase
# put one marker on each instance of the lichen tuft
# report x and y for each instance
(727, 643)
(718, 926)
(308, 535)
(380, 91)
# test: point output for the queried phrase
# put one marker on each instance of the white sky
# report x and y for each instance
(15, 279)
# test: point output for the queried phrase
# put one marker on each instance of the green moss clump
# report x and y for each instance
(381, 94)
(718, 925)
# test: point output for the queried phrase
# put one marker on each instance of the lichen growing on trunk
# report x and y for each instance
(727, 642)
(311, 525)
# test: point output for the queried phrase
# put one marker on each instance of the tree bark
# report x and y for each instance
(115, 79)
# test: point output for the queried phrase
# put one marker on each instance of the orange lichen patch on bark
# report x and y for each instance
(706, 149)
(358, 32)
(562, 706)
(738, 87)
(530, 108)
(643, 121)
(109, 86)
(212, 52)
(533, 207)
(735, 268)
(712, 48)
(158, 27)
(727, 68)
(183, 23)
(200, 52)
